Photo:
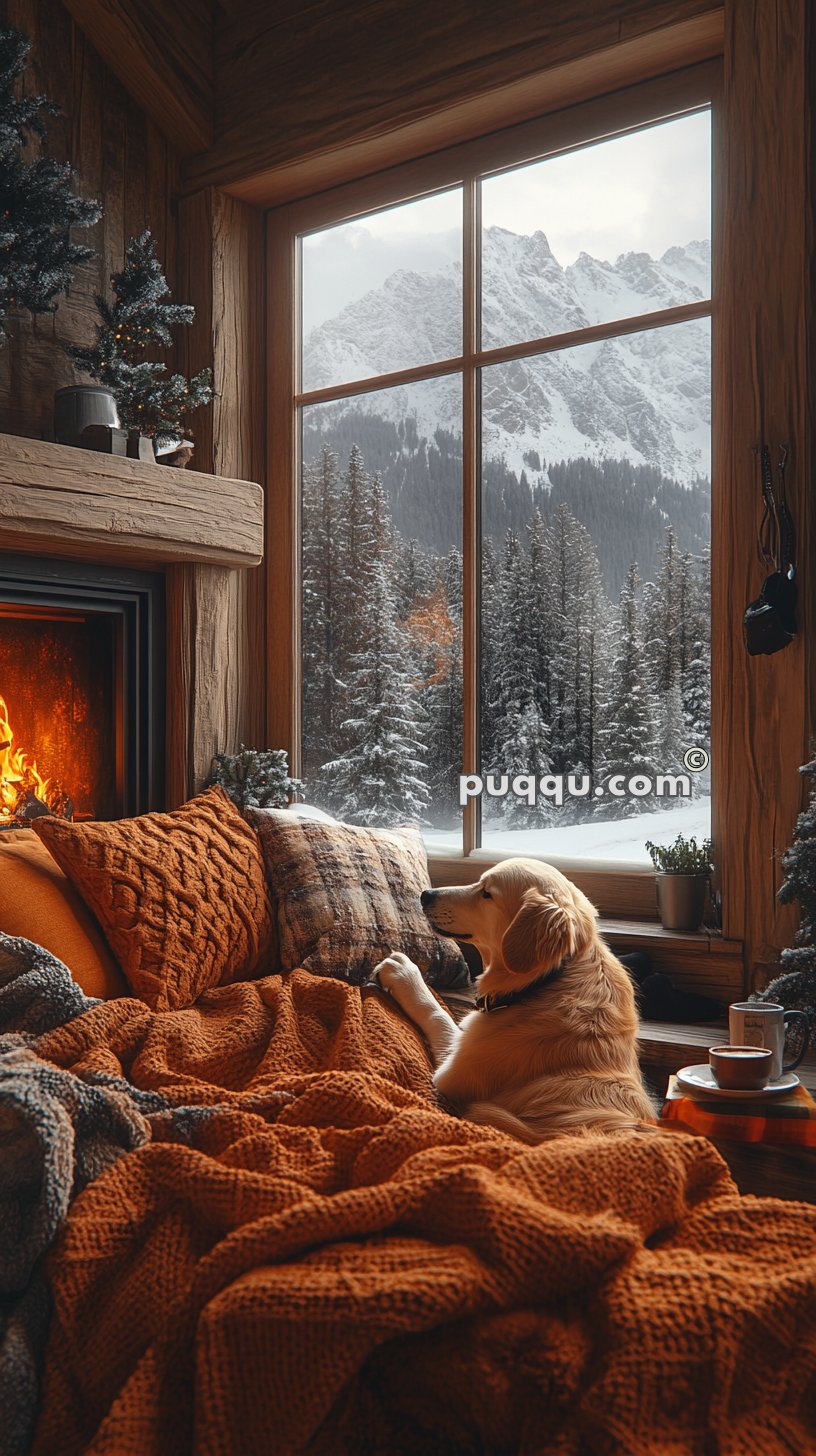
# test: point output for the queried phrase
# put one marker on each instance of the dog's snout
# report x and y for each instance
(427, 898)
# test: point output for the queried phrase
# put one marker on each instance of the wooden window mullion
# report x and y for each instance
(471, 477)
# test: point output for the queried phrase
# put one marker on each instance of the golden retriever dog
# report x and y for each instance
(552, 1046)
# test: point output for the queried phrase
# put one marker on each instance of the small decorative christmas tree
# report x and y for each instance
(255, 778)
(37, 206)
(796, 987)
(142, 317)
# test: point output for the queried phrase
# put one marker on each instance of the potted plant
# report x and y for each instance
(684, 871)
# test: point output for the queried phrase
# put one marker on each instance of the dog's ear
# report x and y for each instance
(544, 931)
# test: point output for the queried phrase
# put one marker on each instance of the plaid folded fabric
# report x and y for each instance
(787, 1120)
(345, 896)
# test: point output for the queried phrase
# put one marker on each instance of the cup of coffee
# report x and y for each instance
(763, 1024)
(741, 1068)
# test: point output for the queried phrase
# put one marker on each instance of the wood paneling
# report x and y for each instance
(162, 51)
(222, 273)
(283, 499)
(83, 503)
(121, 158)
(308, 99)
(763, 390)
(204, 674)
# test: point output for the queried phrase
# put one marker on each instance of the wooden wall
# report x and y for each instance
(122, 159)
(212, 252)
(765, 388)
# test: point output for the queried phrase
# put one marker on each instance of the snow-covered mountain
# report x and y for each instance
(644, 397)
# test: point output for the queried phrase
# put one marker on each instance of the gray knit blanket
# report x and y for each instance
(57, 1133)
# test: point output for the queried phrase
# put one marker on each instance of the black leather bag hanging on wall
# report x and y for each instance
(769, 623)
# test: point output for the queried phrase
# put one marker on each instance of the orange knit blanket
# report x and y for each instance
(315, 1258)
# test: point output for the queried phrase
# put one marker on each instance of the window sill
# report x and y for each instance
(697, 960)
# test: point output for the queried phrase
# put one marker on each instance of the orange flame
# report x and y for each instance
(18, 773)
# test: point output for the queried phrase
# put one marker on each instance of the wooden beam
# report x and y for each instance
(352, 89)
(162, 52)
(763, 388)
(221, 616)
(82, 503)
(204, 668)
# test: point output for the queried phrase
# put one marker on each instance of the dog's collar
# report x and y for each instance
(499, 1000)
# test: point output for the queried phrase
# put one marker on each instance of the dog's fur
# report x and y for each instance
(565, 1058)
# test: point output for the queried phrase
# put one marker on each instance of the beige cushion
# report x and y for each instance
(344, 897)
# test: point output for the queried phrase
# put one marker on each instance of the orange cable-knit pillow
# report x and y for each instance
(39, 902)
(181, 897)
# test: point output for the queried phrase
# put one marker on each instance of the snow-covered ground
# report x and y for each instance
(621, 842)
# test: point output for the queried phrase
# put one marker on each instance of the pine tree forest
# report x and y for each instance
(586, 669)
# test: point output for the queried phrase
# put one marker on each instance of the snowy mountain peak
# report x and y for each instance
(642, 397)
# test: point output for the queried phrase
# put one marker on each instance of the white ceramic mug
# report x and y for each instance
(758, 1023)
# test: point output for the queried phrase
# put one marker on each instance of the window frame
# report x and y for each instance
(624, 890)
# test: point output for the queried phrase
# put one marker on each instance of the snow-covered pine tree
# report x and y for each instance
(490, 636)
(577, 615)
(696, 677)
(381, 777)
(380, 774)
(415, 571)
(357, 549)
(559, 572)
(527, 751)
(320, 535)
(628, 735)
(796, 987)
(434, 632)
(541, 633)
(664, 636)
(513, 686)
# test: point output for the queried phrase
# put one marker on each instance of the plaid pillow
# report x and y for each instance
(344, 897)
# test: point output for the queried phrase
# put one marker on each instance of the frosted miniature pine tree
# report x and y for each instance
(140, 318)
(254, 778)
(38, 208)
(796, 987)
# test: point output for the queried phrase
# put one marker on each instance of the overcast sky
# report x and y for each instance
(645, 193)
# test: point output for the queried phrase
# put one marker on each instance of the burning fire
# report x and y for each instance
(19, 775)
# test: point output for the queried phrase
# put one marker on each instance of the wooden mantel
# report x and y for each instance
(81, 503)
(204, 532)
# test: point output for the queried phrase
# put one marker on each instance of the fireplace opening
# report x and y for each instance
(59, 677)
(81, 690)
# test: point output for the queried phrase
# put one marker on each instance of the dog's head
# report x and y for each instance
(523, 916)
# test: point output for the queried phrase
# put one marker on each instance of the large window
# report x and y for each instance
(503, 408)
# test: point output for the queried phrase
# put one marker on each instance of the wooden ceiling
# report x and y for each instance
(268, 98)
(163, 53)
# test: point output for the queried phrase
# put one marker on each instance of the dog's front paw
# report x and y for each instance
(399, 975)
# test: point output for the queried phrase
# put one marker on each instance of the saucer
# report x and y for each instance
(701, 1079)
